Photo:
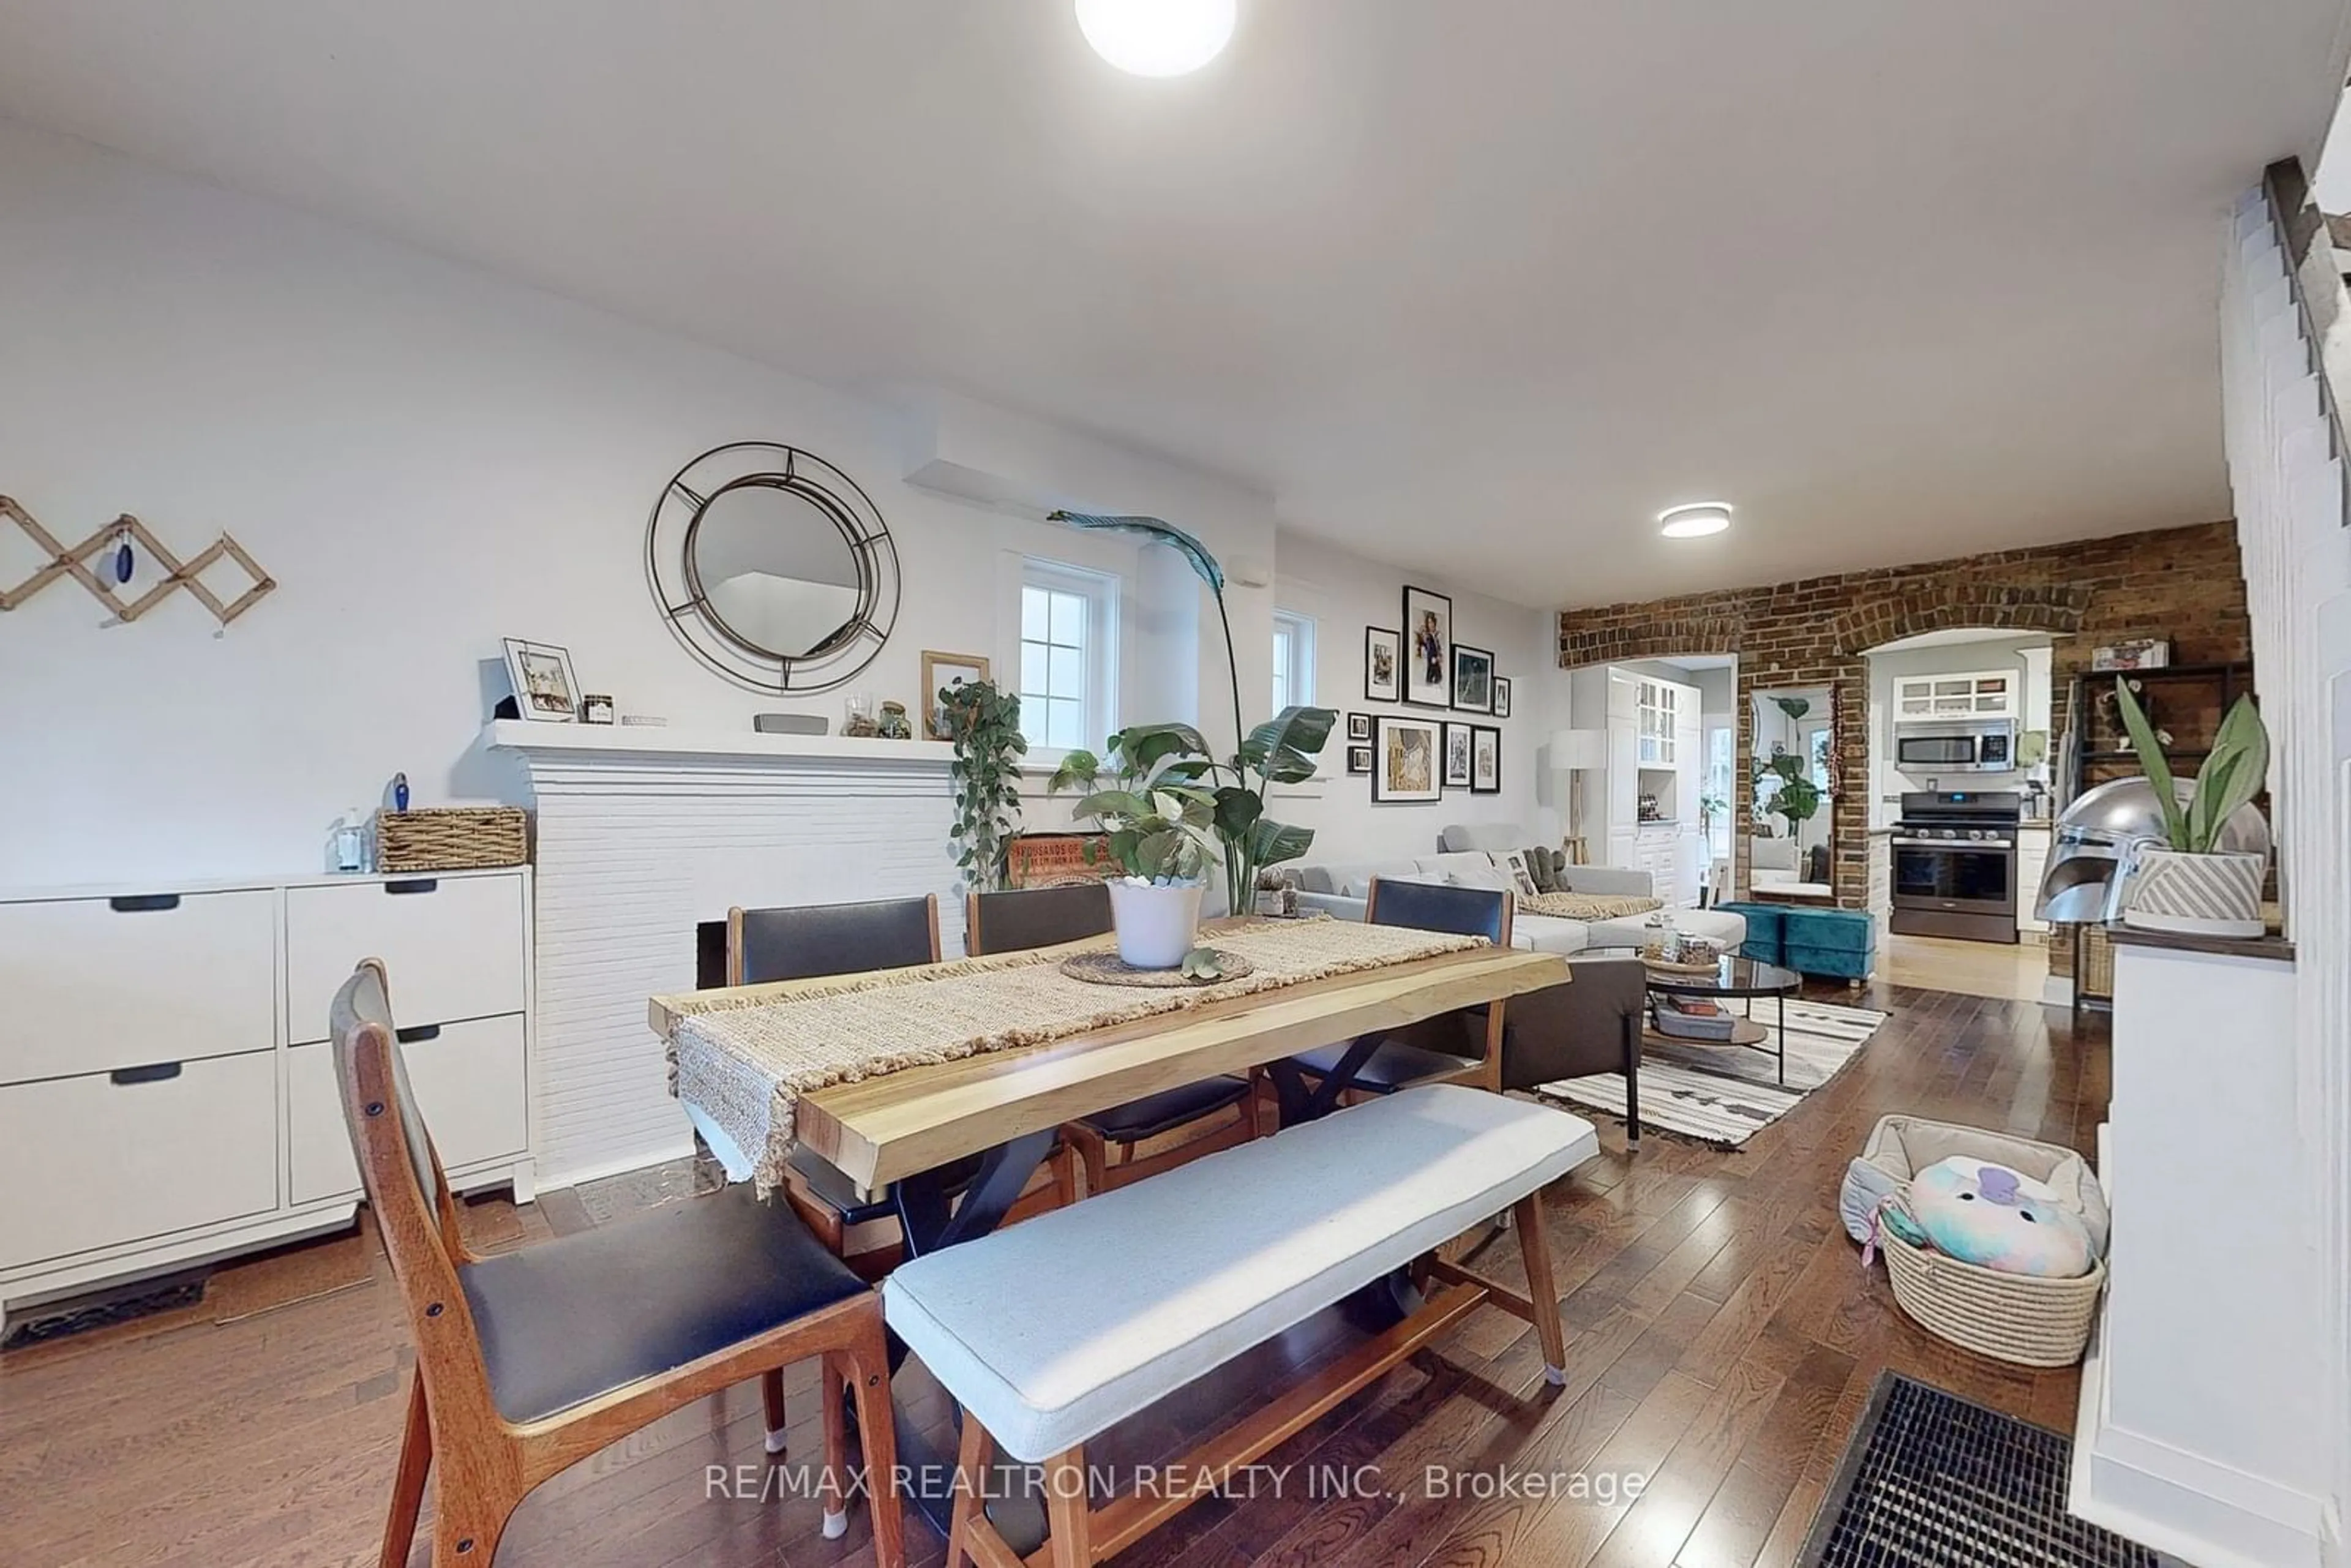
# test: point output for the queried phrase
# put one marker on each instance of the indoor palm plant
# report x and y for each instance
(1280, 751)
(2189, 882)
(1796, 797)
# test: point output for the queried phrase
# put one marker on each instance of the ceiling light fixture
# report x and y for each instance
(1156, 38)
(1694, 521)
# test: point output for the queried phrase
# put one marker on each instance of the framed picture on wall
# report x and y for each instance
(1473, 679)
(1485, 760)
(1359, 728)
(1359, 759)
(1428, 648)
(939, 672)
(1383, 666)
(1501, 696)
(544, 687)
(1404, 760)
(1456, 756)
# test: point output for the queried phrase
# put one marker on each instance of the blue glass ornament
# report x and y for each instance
(123, 563)
(400, 792)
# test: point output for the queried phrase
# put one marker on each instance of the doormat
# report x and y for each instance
(1933, 1481)
(1724, 1095)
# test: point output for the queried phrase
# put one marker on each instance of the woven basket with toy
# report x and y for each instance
(1992, 1242)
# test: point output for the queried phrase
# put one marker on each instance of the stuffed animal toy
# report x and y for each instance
(1993, 1216)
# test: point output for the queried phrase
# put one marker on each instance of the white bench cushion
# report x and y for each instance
(1059, 1327)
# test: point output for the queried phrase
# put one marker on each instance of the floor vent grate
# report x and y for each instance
(105, 1308)
(1932, 1480)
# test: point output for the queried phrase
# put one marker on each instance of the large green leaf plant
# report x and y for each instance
(2232, 774)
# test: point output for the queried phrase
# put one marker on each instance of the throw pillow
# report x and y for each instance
(1487, 879)
(1522, 876)
(1539, 865)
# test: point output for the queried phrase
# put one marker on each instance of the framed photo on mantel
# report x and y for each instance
(1428, 648)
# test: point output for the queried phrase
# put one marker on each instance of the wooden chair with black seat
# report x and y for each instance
(1437, 1050)
(1591, 1025)
(1017, 920)
(811, 941)
(529, 1362)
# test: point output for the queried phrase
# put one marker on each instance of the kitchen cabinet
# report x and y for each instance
(1986, 694)
(1657, 721)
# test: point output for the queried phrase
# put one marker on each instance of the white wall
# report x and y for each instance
(2027, 657)
(1344, 594)
(427, 459)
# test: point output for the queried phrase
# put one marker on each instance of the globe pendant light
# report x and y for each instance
(1156, 38)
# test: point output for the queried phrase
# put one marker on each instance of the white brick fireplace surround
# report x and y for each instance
(643, 833)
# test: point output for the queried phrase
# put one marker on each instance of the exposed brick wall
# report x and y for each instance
(2185, 584)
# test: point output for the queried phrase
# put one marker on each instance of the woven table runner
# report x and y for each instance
(744, 1062)
(1588, 905)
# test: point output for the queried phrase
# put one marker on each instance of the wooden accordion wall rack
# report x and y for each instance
(177, 574)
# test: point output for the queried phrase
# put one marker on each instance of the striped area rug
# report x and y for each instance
(1725, 1096)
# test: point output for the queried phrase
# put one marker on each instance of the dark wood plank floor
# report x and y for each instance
(1722, 1342)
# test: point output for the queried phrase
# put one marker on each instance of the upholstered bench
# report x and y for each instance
(1842, 943)
(1053, 1331)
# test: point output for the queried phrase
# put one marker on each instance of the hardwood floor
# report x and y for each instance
(2014, 972)
(1722, 1341)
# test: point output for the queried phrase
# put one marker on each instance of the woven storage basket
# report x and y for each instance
(451, 837)
(2009, 1317)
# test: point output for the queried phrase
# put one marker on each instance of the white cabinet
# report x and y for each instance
(1986, 694)
(2032, 860)
(1657, 721)
(167, 1091)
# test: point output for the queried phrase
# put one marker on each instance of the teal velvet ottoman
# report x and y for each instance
(1839, 943)
(1764, 929)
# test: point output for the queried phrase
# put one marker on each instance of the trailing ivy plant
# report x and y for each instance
(985, 725)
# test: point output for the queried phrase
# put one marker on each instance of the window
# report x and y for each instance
(1293, 660)
(1067, 667)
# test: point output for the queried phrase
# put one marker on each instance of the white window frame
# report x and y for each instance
(1294, 682)
(1101, 590)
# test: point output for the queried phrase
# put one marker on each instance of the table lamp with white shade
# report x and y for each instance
(1575, 751)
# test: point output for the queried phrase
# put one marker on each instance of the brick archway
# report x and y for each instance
(1997, 606)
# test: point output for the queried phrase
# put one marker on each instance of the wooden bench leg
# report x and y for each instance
(971, 1475)
(1069, 1512)
(1534, 1247)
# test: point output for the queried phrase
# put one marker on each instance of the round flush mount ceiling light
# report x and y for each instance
(1694, 522)
(1156, 38)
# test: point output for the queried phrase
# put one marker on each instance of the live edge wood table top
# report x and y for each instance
(881, 1130)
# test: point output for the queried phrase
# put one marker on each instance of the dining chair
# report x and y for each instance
(1433, 1049)
(529, 1362)
(1593, 1024)
(812, 941)
(1016, 920)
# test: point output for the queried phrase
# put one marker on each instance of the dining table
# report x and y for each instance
(954, 1143)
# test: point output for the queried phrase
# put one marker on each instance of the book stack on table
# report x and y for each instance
(1693, 1017)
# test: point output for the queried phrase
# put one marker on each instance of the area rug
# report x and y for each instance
(1724, 1096)
(1933, 1481)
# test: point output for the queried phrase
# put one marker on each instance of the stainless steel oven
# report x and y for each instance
(1971, 745)
(1954, 855)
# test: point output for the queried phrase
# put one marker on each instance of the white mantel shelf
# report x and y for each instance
(535, 738)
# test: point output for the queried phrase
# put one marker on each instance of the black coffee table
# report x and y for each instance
(1733, 977)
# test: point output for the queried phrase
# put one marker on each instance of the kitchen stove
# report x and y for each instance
(1955, 864)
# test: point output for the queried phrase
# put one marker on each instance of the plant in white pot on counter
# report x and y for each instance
(2190, 883)
(1147, 796)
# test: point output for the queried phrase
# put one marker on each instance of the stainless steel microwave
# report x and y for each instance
(1973, 746)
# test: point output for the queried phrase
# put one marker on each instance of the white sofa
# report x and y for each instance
(1339, 888)
(1772, 868)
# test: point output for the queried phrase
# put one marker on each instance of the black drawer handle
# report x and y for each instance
(143, 902)
(421, 1031)
(154, 1073)
(414, 884)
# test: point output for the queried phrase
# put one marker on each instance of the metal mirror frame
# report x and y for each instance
(676, 581)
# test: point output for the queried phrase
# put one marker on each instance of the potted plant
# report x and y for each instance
(1796, 796)
(1280, 751)
(2189, 883)
(1146, 795)
(983, 722)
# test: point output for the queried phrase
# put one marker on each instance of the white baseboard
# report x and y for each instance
(549, 1181)
(2193, 1506)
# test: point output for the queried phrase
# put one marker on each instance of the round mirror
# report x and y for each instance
(777, 574)
(772, 567)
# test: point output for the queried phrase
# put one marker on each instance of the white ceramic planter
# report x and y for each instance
(1156, 924)
(2197, 895)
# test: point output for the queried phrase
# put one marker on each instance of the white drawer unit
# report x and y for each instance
(96, 1161)
(452, 944)
(93, 984)
(469, 1081)
(167, 1090)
